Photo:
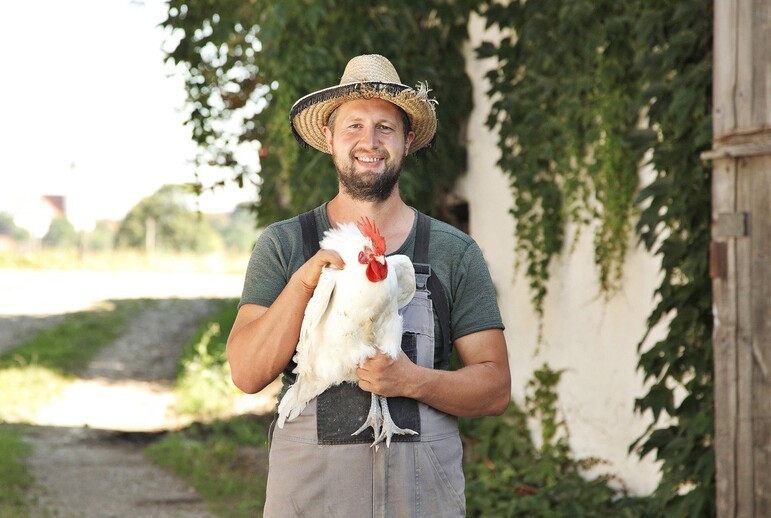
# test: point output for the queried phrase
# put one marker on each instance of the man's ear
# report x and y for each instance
(327, 135)
(407, 141)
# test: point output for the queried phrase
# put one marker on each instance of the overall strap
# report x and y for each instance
(310, 234)
(433, 284)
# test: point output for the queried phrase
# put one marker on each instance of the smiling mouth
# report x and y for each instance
(369, 159)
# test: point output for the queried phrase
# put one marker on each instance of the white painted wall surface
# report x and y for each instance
(594, 340)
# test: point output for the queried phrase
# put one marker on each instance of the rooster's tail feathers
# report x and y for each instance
(294, 401)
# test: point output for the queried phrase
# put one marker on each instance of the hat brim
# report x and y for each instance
(310, 114)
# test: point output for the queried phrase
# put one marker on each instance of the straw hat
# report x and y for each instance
(365, 77)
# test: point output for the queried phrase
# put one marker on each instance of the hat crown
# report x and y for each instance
(369, 68)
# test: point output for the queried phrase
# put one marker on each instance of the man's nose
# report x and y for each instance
(370, 137)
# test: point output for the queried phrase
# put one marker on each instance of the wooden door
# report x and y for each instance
(740, 262)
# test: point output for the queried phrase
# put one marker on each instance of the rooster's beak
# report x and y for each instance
(381, 259)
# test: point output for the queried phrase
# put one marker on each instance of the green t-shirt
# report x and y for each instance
(454, 257)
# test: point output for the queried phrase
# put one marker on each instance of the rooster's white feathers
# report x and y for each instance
(349, 316)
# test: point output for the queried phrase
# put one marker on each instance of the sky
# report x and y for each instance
(90, 110)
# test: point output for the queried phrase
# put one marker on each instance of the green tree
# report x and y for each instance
(102, 237)
(8, 227)
(166, 221)
(237, 229)
(61, 234)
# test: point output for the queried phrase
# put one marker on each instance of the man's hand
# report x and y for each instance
(385, 376)
(482, 386)
(310, 272)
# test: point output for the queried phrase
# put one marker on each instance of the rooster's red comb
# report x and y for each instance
(369, 229)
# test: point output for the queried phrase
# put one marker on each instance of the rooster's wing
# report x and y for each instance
(405, 278)
(314, 313)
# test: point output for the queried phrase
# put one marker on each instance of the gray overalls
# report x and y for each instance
(318, 469)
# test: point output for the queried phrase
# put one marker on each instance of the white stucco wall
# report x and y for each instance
(594, 340)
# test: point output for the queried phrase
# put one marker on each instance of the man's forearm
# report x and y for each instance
(473, 391)
(263, 340)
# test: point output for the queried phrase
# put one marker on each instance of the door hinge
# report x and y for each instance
(731, 224)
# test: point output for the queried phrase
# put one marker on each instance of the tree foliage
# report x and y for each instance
(61, 234)
(246, 63)
(169, 220)
(9, 228)
(237, 229)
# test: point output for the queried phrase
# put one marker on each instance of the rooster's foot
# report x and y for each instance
(389, 428)
(374, 418)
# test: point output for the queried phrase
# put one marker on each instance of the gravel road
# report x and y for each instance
(84, 461)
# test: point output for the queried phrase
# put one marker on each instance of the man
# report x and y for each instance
(369, 123)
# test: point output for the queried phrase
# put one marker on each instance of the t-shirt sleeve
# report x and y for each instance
(268, 270)
(474, 306)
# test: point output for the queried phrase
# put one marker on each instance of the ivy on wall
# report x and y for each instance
(583, 90)
(675, 59)
(566, 113)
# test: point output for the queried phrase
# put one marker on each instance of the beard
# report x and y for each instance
(372, 187)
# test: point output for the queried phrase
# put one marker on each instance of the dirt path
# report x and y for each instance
(128, 385)
(90, 473)
(87, 445)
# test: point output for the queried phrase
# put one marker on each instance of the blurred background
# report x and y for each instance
(93, 138)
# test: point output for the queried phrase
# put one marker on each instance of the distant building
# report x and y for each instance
(6, 243)
(35, 213)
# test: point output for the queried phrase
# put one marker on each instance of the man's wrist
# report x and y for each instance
(301, 284)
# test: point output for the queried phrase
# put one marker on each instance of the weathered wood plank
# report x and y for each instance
(724, 344)
(744, 54)
(761, 64)
(758, 171)
(742, 274)
(745, 472)
(724, 67)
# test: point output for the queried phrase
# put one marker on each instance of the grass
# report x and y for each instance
(14, 477)
(203, 385)
(37, 370)
(225, 461)
(68, 347)
(25, 389)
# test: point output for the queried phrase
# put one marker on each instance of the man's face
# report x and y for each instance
(368, 146)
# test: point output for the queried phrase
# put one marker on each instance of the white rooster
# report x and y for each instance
(352, 314)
